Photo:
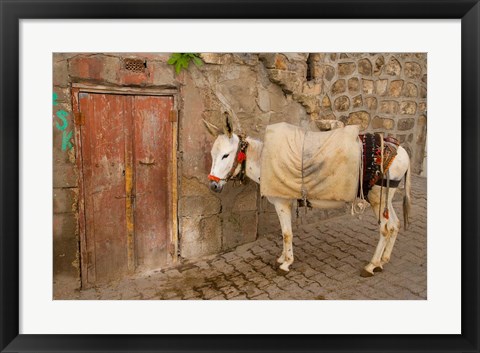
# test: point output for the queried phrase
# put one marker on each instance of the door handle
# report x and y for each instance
(147, 162)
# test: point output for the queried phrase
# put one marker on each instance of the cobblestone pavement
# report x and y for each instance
(329, 255)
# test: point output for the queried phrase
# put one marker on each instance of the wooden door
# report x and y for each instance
(126, 166)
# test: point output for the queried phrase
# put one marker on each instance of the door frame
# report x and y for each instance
(78, 88)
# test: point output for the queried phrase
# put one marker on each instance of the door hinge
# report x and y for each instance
(79, 118)
(173, 116)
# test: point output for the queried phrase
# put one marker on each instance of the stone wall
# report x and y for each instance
(381, 92)
(210, 223)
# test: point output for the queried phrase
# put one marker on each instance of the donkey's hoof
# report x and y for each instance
(281, 272)
(365, 273)
(378, 269)
(284, 267)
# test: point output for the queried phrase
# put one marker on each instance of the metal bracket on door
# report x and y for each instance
(147, 162)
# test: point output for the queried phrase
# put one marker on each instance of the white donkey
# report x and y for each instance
(229, 152)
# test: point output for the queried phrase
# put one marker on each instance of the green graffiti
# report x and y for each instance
(66, 140)
(62, 115)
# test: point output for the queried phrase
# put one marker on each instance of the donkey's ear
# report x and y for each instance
(212, 129)
(228, 127)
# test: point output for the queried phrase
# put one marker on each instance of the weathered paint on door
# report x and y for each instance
(126, 154)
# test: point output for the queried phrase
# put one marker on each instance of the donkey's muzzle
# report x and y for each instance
(214, 186)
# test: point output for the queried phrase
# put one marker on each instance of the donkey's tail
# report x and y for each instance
(406, 198)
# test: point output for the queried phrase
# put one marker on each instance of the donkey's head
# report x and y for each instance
(228, 152)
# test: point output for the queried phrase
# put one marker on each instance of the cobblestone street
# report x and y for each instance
(329, 255)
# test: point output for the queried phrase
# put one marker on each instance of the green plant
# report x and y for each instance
(181, 60)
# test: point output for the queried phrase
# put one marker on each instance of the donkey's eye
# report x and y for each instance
(225, 155)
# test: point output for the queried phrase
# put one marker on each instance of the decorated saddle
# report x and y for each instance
(372, 161)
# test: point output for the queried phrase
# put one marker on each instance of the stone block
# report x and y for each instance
(338, 87)
(246, 201)
(371, 103)
(365, 67)
(405, 124)
(382, 123)
(62, 95)
(342, 103)
(211, 235)
(310, 103)
(422, 129)
(379, 64)
(95, 68)
(353, 84)
(295, 56)
(423, 92)
(162, 74)
(250, 59)
(393, 67)
(367, 86)
(60, 73)
(326, 103)
(329, 124)
(199, 206)
(288, 80)
(381, 86)
(409, 108)
(389, 107)
(216, 58)
(395, 88)
(200, 236)
(194, 187)
(410, 90)
(401, 138)
(357, 101)
(422, 107)
(413, 70)
(361, 118)
(263, 100)
(281, 62)
(346, 69)
(312, 88)
(328, 72)
(239, 228)
(239, 92)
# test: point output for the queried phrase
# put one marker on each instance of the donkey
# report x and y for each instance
(229, 152)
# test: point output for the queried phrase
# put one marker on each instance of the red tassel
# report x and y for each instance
(386, 215)
(241, 156)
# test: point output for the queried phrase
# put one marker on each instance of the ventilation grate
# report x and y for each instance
(135, 65)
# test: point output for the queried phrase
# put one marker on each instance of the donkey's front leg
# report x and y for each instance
(284, 212)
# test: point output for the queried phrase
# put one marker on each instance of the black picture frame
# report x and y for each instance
(12, 11)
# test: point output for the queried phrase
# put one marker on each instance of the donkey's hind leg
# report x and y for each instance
(391, 239)
(284, 212)
(388, 230)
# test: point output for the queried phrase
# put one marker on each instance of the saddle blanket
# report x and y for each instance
(323, 164)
